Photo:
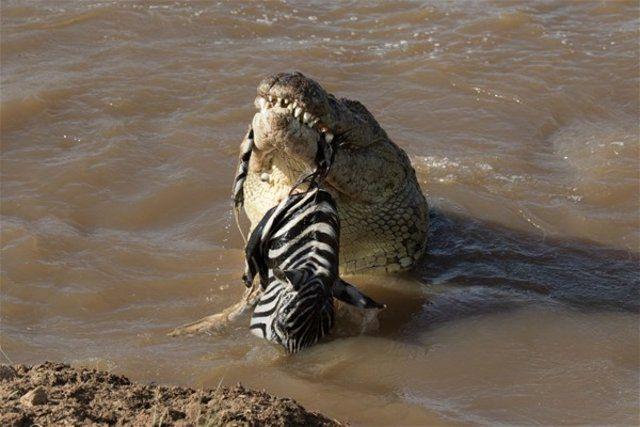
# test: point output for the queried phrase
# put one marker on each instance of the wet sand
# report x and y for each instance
(55, 394)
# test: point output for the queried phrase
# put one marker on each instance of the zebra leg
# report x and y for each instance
(218, 322)
(246, 148)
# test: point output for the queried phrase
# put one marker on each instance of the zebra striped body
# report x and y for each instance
(294, 249)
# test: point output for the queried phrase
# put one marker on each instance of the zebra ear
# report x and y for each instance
(292, 277)
(348, 293)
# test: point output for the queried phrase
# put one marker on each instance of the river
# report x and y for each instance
(120, 129)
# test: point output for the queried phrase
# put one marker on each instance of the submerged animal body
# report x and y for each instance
(382, 210)
(295, 251)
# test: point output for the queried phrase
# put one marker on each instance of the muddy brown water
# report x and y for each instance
(120, 127)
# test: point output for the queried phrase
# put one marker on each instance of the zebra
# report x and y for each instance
(294, 250)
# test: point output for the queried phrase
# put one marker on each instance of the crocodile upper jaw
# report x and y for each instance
(281, 119)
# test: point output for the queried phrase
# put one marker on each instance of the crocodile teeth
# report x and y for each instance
(297, 110)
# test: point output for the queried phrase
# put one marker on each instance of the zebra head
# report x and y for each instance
(295, 310)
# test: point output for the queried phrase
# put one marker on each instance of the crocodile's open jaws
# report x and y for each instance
(382, 210)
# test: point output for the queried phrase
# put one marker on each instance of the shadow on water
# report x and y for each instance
(484, 261)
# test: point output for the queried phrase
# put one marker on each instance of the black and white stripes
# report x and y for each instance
(294, 248)
(246, 148)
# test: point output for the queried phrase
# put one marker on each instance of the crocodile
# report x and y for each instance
(382, 210)
(383, 213)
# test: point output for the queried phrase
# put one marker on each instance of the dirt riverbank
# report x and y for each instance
(55, 394)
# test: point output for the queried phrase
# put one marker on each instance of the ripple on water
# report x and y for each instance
(120, 127)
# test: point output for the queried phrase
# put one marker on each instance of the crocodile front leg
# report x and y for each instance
(219, 321)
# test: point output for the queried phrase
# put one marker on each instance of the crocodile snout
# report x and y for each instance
(304, 97)
(293, 110)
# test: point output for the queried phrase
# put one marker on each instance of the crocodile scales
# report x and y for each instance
(383, 212)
